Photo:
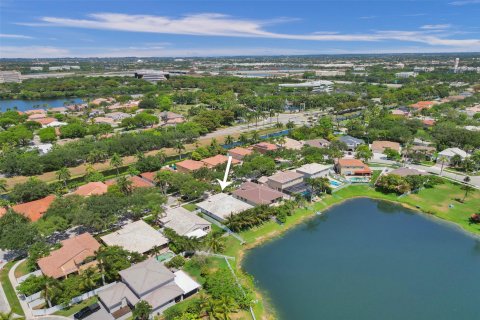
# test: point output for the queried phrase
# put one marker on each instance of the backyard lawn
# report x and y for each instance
(22, 269)
(67, 312)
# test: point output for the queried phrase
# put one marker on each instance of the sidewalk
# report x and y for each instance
(13, 281)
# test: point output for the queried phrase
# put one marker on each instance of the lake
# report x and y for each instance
(23, 105)
(369, 260)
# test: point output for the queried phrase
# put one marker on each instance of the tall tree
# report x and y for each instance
(116, 161)
(64, 175)
(142, 310)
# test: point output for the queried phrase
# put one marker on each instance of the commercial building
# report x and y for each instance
(405, 75)
(221, 205)
(258, 194)
(10, 76)
(137, 236)
(70, 257)
(152, 75)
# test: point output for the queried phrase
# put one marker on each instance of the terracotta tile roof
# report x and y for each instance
(34, 111)
(150, 176)
(91, 188)
(257, 193)
(380, 146)
(265, 146)
(423, 105)
(351, 163)
(240, 151)
(34, 210)
(2, 211)
(190, 165)
(69, 257)
(218, 160)
(36, 116)
(45, 121)
(138, 182)
(428, 122)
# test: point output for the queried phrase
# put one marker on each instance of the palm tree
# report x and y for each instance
(271, 114)
(64, 175)
(162, 179)
(116, 161)
(210, 307)
(229, 139)
(255, 137)
(215, 242)
(3, 185)
(466, 187)
(243, 138)
(49, 289)
(124, 185)
(281, 141)
(89, 278)
(227, 306)
(442, 160)
(179, 147)
(290, 125)
(6, 316)
(161, 156)
(142, 310)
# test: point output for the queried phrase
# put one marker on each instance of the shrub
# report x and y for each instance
(176, 262)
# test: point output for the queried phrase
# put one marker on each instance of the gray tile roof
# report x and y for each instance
(182, 221)
(114, 295)
(145, 276)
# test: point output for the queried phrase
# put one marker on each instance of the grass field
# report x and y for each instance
(190, 206)
(22, 269)
(9, 290)
(67, 312)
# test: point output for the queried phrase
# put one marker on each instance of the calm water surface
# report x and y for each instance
(23, 105)
(368, 260)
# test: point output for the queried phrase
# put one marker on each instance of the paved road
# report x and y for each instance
(436, 169)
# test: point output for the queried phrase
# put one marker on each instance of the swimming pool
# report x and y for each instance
(335, 183)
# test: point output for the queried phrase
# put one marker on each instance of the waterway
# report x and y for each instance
(367, 260)
(23, 105)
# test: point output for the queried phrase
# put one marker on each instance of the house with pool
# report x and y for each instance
(354, 170)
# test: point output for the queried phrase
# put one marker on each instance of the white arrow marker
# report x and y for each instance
(224, 183)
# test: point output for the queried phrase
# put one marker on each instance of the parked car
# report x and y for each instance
(85, 312)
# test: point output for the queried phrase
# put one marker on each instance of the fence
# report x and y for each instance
(263, 137)
(85, 296)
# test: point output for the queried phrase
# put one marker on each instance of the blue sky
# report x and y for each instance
(117, 28)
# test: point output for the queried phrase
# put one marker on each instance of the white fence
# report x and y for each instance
(85, 296)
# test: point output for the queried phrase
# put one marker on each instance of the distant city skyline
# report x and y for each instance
(50, 29)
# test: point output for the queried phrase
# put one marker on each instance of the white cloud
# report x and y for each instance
(214, 24)
(14, 36)
(32, 52)
(464, 2)
(436, 26)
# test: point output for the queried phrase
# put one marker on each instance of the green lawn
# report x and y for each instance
(22, 269)
(67, 312)
(190, 206)
(9, 290)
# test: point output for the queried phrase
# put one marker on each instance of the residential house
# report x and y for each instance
(239, 153)
(352, 167)
(285, 180)
(171, 117)
(34, 210)
(188, 166)
(380, 146)
(220, 206)
(317, 143)
(314, 170)
(70, 258)
(264, 147)
(405, 172)
(351, 142)
(217, 160)
(185, 223)
(292, 144)
(471, 111)
(118, 116)
(449, 153)
(105, 120)
(45, 121)
(138, 237)
(149, 281)
(149, 176)
(91, 188)
(423, 105)
(257, 194)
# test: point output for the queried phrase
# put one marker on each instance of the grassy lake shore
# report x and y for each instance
(441, 202)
